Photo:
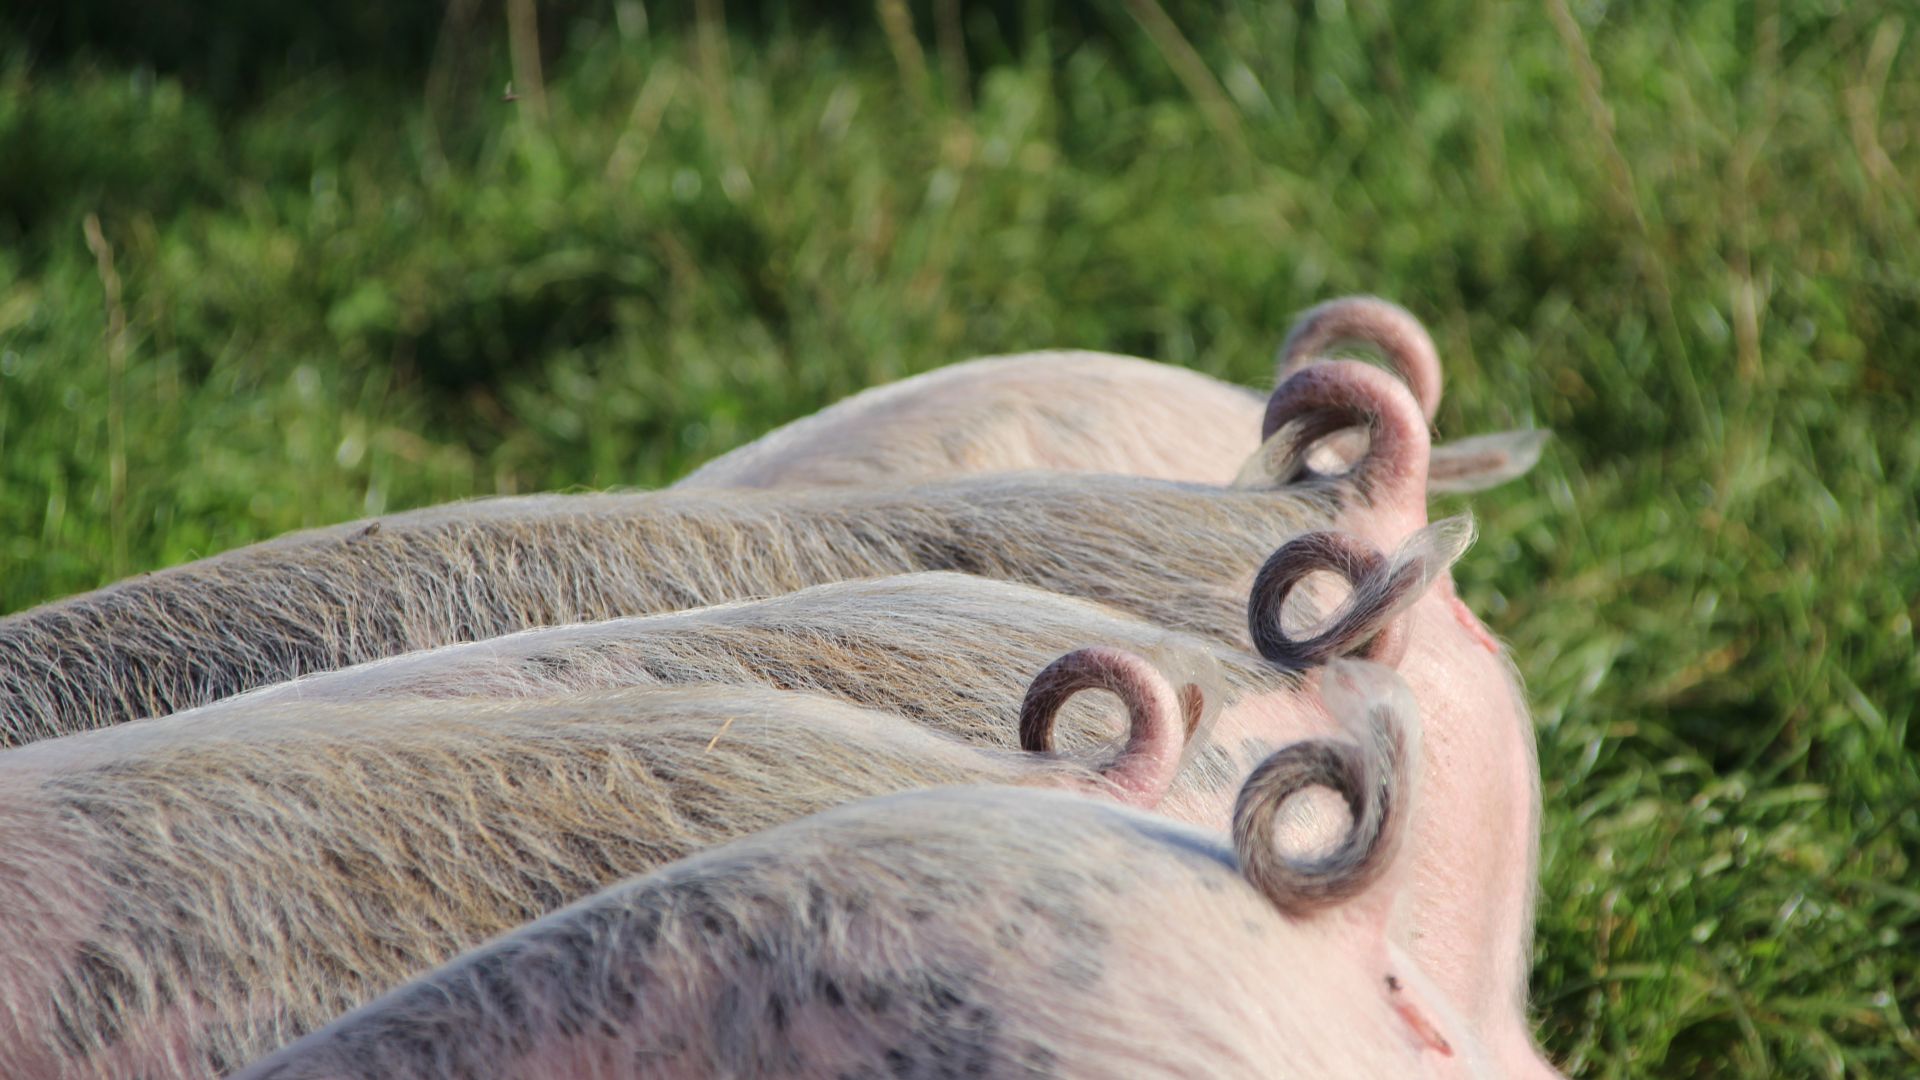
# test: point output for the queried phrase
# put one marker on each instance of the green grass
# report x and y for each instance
(1692, 256)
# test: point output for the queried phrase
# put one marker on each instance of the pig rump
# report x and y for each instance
(1067, 410)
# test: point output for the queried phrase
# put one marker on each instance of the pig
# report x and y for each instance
(1176, 554)
(1066, 410)
(977, 931)
(1077, 411)
(950, 650)
(182, 897)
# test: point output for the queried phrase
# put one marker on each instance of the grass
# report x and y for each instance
(1683, 239)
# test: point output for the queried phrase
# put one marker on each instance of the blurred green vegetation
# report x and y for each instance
(334, 273)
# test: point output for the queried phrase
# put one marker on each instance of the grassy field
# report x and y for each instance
(1687, 240)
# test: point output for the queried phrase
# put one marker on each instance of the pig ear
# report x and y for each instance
(1332, 399)
(1193, 707)
(1157, 716)
(1484, 461)
(1367, 320)
(1194, 671)
(1373, 773)
(1369, 623)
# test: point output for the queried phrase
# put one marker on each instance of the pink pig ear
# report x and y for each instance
(1373, 772)
(1347, 399)
(1400, 338)
(1370, 624)
(1158, 716)
(1479, 462)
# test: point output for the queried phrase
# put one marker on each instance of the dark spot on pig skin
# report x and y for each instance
(1010, 936)
(949, 1040)
(1077, 971)
(829, 990)
(666, 1048)
(818, 910)
(549, 666)
(495, 992)
(947, 553)
(943, 1025)
(210, 1047)
(1040, 1060)
(1056, 904)
(645, 925)
(940, 996)
(92, 998)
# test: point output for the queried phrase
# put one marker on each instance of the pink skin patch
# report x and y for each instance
(1476, 629)
(1423, 1028)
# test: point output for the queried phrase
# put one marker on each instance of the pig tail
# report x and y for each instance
(1344, 398)
(1396, 332)
(1371, 623)
(1373, 774)
(1157, 716)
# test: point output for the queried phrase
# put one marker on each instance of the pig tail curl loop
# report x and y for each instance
(1371, 623)
(1313, 430)
(1371, 775)
(1158, 717)
(1399, 335)
(1364, 625)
